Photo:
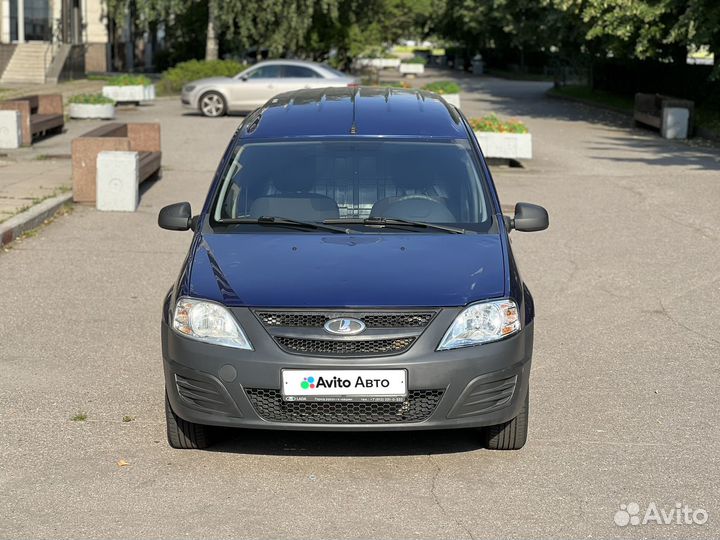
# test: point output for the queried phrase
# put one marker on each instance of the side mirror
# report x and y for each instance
(243, 77)
(176, 217)
(529, 218)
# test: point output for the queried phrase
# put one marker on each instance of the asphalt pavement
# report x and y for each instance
(624, 387)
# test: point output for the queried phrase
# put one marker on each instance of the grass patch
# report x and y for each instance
(707, 117)
(38, 200)
(79, 417)
(415, 60)
(599, 97)
(64, 210)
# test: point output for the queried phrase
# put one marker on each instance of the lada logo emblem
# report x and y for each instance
(344, 327)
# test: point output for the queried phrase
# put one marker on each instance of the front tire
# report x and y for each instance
(212, 104)
(183, 434)
(510, 435)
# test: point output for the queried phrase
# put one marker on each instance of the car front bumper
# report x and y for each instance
(187, 100)
(477, 386)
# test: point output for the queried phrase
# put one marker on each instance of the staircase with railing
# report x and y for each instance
(29, 63)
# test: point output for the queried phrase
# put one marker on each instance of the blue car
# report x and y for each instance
(350, 270)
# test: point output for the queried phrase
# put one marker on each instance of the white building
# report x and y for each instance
(40, 40)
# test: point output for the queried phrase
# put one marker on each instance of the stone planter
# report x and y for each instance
(452, 99)
(106, 111)
(136, 93)
(378, 63)
(412, 69)
(505, 145)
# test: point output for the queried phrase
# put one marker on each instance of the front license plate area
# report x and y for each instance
(362, 385)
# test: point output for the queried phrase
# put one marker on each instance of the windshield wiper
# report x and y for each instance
(283, 222)
(396, 222)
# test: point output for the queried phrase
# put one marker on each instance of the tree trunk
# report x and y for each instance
(211, 47)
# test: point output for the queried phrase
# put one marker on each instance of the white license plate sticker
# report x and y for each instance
(344, 385)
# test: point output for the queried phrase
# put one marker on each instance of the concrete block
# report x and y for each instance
(675, 123)
(452, 99)
(10, 129)
(505, 145)
(124, 94)
(117, 181)
(415, 69)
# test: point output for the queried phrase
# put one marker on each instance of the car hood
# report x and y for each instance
(368, 270)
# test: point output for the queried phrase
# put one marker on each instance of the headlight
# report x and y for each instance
(210, 322)
(482, 323)
(188, 88)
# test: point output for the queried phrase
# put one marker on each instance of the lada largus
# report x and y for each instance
(350, 269)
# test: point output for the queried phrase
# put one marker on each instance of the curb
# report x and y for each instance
(31, 218)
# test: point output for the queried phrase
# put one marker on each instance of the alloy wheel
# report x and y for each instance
(212, 105)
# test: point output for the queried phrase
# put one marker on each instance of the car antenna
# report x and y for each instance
(353, 127)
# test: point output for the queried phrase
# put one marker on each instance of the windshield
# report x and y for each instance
(316, 181)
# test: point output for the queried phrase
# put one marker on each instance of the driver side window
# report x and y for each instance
(265, 72)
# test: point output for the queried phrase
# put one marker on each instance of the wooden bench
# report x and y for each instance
(39, 114)
(143, 138)
(650, 110)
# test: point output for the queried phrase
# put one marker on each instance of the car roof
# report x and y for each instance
(287, 62)
(353, 112)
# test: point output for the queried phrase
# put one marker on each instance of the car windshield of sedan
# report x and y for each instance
(331, 181)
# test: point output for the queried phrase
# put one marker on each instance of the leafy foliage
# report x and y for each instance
(492, 123)
(129, 80)
(176, 77)
(442, 87)
(415, 60)
(91, 99)
(340, 30)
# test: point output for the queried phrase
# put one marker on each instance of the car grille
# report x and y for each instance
(371, 320)
(386, 332)
(345, 348)
(268, 404)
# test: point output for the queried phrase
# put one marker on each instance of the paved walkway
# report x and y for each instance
(625, 375)
(31, 174)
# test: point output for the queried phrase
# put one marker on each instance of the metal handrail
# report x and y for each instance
(55, 40)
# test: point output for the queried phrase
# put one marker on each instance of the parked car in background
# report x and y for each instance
(251, 88)
(351, 269)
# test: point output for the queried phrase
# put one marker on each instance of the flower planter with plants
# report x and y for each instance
(505, 139)
(94, 106)
(413, 66)
(378, 63)
(129, 89)
(449, 90)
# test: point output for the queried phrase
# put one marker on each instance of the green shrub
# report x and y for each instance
(129, 79)
(91, 99)
(179, 75)
(492, 123)
(416, 60)
(442, 87)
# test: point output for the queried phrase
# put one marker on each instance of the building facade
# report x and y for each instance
(52, 27)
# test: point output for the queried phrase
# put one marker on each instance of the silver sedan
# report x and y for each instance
(251, 88)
